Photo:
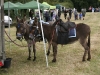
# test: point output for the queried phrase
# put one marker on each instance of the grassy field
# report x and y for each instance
(69, 57)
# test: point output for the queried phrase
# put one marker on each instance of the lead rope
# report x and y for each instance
(13, 41)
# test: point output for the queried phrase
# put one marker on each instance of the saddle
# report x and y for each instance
(64, 31)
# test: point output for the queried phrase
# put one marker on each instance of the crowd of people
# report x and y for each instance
(52, 15)
(92, 9)
(77, 15)
(47, 15)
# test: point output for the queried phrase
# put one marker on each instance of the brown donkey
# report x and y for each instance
(82, 34)
(22, 32)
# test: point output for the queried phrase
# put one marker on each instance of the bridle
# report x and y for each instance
(36, 31)
(21, 30)
(33, 34)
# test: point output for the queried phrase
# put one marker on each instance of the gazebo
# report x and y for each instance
(9, 5)
(51, 7)
(32, 5)
(58, 6)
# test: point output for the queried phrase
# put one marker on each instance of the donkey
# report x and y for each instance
(82, 34)
(22, 31)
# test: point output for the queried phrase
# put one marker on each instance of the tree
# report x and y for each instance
(85, 3)
(67, 3)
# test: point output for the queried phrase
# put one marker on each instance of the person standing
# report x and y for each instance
(70, 13)
(31, 14)
(80, 15)
(47, 16)
(92, 10)
(54, 15)
(76, 14)
(83, 13)
(51, 15)
(59, 13)
(41, 13)
(65, 13)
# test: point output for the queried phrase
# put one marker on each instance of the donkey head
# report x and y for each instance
(34, 30)
(59, 22)
(20, 28)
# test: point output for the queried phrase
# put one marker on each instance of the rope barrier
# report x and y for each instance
(9, 40)
(13, 41)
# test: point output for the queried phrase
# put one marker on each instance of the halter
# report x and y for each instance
(22, 31)
(36, 33)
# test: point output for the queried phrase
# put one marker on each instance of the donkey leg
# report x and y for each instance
(89, 55)
(87, 50)
(29, 50)
(84, 56)
(34, 50)
(54, 52)
(29, 57)
(49, 47)
(84, 44)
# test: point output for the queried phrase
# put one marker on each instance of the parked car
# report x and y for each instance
(7, 20)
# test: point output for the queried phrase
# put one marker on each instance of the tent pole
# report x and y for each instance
(9, 25)
(42, 34)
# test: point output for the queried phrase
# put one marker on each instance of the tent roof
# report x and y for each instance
(18, 3)
(58, 5)
(51, 7)
(9, 5)
(46, 6)
(31, 5)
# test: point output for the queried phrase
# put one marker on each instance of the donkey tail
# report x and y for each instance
(88, 41)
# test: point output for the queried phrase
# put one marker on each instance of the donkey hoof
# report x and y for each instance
(54, 60)
(28, 58)
(88, 59)
(48, 53)
(83, 60)
(34, 59)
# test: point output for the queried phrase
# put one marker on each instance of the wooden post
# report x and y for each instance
(2, 44)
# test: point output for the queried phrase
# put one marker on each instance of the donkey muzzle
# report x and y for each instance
(31, 36)
(18, 36)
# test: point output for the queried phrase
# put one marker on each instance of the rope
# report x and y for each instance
(9, 41)
(13, 41)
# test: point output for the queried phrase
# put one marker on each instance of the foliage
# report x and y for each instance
(85, 3)
(67, 3)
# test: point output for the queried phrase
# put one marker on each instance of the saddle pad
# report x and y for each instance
(72, 32)
(31, 22)
(44, 22)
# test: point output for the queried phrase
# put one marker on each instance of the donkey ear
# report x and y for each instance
(35, 19)
(17, 19)
(24, 18)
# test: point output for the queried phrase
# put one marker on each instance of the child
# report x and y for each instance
(80, 15)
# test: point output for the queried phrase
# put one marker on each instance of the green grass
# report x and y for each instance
(69, 57)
